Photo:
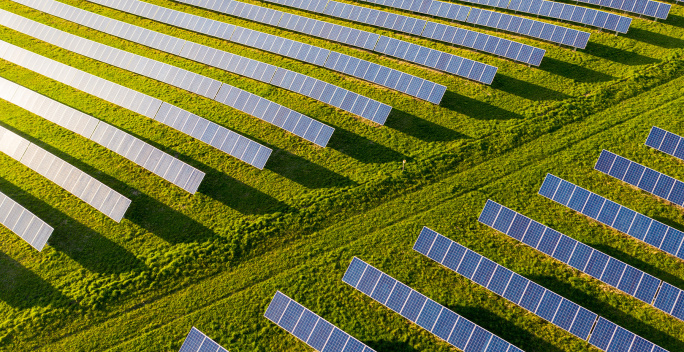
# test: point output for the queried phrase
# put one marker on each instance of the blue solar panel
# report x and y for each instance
(666, 142)
(423, 311)
(640, 227)
(516, 288)
(540, 301)
(659, 184)
(309, 327)
(196, 341)
(649, 8)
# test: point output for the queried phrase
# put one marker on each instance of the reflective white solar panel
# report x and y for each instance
(98, 131)
(572, 13)
(64, 175)
(196, 341)
(22, 222)
(428, 314)
(193, 51)
(185, 79)
(322, 57)
(310, 327)
(525, 293)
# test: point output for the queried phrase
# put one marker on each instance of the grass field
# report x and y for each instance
(215, 259)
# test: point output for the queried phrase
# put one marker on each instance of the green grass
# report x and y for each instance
(215, 259)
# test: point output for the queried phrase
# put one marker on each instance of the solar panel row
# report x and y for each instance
(485, 18)
(599, 265)
(515, 288)
(428, 314)
(406, 51)
(122, 143)
(666, 142)
(608, 336)
(614, 215)
(309, 327)
(196, 341)
(267, 42)
(437, 31)
(254, 69)
(22, 222)
(573, 13)
(436, 59)
(641, 176)
(75, 181)
(529, 295)
(544, 8)
(228, 141)
(643, 7)
(248, 103)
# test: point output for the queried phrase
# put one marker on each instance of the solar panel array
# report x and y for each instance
(544, 8)
(276, 114)
(344, 99)
(437, 60)
(599, 265)
(504, 282)
(428, 314)
(641, 176)
(307, 326)
(450, 34)
(527, 294)
(279, 45)
(196, 341)
(614, 215)
(666, 142)
(572, 13)
(643, 7)
(22, 222)
(75, 181)
(537, 29)
(370, 41)
(221, 138)
(122, 143)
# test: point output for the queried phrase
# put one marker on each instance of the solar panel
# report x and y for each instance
(614, 215)
(649, 8)
(527, 294)
(184, 79)
(75, 181)
(22, 222)
(197, 341)
(666, 142)
(642, 177)
(440, 61)
(485, 18)
(428, 314)
(599, 265)
(141, 153)
(190, 124)
(213, 57)
(310, 327)
(572, 13)
(282, 46)
(443, 33)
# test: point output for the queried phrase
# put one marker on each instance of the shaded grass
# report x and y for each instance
(215, 259)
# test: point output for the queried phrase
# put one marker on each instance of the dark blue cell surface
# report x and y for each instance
(489, 213)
